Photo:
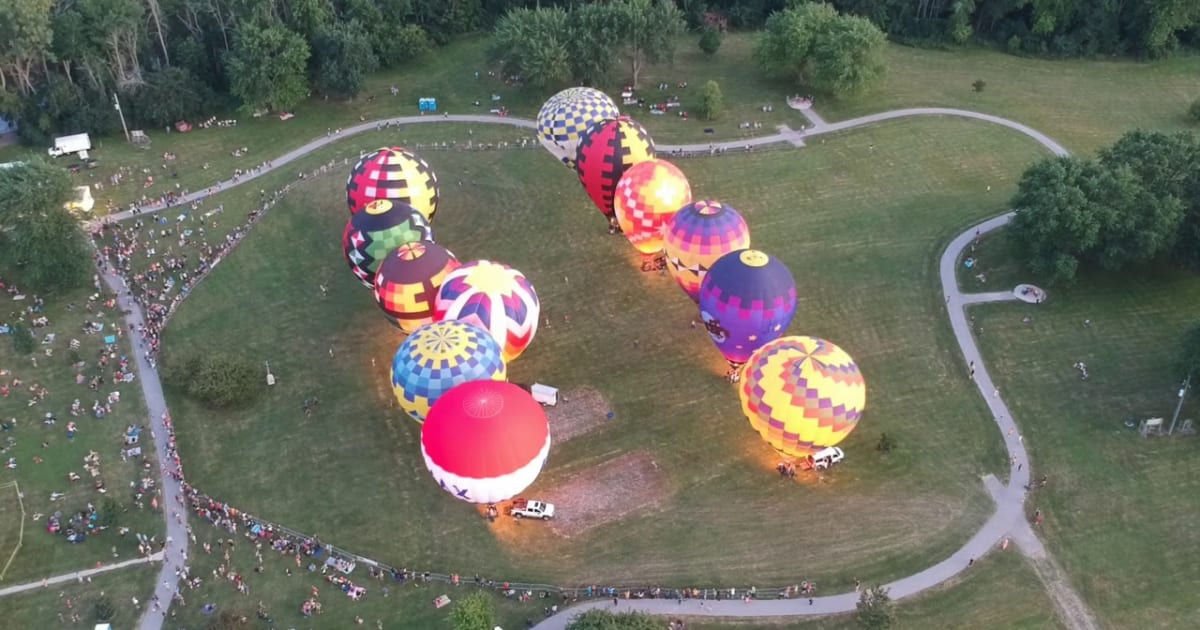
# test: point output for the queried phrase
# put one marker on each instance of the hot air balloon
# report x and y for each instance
(802, 394)
(647, 196)
(485, 441)
(380, 227)
(396, 174)
(605, 152)
(564, 118)
(438, 356)
(697, 236)
(494, 297)
(408, 280)
(747, 299)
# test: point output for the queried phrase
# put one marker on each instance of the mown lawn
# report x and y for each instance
(55, 605)
(858, 221)
(1119, 509)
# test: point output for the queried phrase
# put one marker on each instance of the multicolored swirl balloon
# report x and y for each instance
(802, 394)
(494, 297)
(747, 299)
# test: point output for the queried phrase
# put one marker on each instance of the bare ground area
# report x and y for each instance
(577, 412)
(1072, 610)
(609, 492)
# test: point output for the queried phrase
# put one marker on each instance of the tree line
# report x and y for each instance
(1145, 28)
(1137, 202)
(62, 61)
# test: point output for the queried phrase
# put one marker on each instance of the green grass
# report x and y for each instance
(41, 553)
(1001, 591)
(48, 607)
(1082, 103)
(1119, 509)
(11, 524)
(859, 226)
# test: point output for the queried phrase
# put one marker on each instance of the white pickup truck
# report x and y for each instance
(524, 508)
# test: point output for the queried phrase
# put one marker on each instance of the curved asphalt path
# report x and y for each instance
(1008, 519)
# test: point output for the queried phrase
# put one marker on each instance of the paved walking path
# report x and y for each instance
(78, 575)
(1007, 520)
(175, 552)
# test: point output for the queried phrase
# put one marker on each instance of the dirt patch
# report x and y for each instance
(606, 493)
(577, 412)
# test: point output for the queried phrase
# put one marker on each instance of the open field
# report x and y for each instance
(44, 455)
(1118, 508)
(857, 219)
(53, 606)
(1001, 591)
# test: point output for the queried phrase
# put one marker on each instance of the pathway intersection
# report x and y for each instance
(1008, 520)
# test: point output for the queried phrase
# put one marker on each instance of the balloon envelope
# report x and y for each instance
(380, 227)
(564, 118)
(393, 173)
(485, 441)
(605, 152)
(747, 299)
(647, 196)
(802, 394)
(494, 297)
(407, 282)
(438, 356)
(697, 236)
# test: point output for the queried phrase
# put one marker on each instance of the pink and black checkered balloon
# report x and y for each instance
(396, 174)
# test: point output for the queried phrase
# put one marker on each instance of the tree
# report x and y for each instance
(598, 619)
(533, 44)
(710, 100)
(710, 40)
(38, 238)
(1194, 110)
(167, 96)
(342, 59)
(212, 378)
(25, 36)
(476, 611)
(593, 29)
(267, 67)
(875, 608)
(647, 30)
(816, 47)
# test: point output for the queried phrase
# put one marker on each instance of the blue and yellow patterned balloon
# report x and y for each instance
(439, 356)
(802, 394)
(564, 118)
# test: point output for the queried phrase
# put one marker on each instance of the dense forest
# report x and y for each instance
(61, 61)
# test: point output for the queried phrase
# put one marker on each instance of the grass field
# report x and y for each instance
(44, 455)
(1118, 507)
(860, 227)
(12, 524)
(53, 606)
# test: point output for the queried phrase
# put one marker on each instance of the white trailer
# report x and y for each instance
(76, 143)
(544, 394)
